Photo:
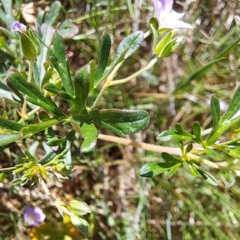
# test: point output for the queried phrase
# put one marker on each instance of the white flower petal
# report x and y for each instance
(175, 15)
(167, 5)
(182, 24)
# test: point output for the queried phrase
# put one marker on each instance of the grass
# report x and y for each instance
(126, 206)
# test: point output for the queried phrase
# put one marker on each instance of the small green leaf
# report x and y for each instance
(80, 224)
(81, 87)
(215, 109)
(55, 141)
(126, 48)
(233, 107)
(211, 153)
(235, 152)
(173, 170)
(208, 177)
(34, 128)
(193, 170)
(104, 55)
(14, 126)
(79, 208)
(182, 133)
(89, 133)
(121, 122)
(52, 88)
(53, 13)
(153, 24)
(153, 169)
(189, 148)
(61, 63)
(168, 135)
(91, 75)
(227, 120)
(6, 138)
(34, 94)
(170, 158)
(197, 131)
(47, 158)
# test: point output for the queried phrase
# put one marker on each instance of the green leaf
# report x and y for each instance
(168, 135)
(208, 177)
(193, 170)
(81, 87)
(121, 122)
(197, 131)
(55, 141)
(34, 128)
(7, 16)
(235, 152)
(53, 13)
(47, 158)
(173, 170)
(79, 208)
(91, 75)
(153, 24)
(6, 138)
(80, 224)
(182, 133)
(61, 63)
(89, 133)
(189, 148)
(35, 96)
(170, 158)
(104, 55)
(153, 169)
(227, 120)
(126, 48)
(211, 153)
(233, 107)
(14, 126)
(52, 88)
(216, 111)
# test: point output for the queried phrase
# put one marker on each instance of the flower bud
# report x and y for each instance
(30, 46)
(167, 45)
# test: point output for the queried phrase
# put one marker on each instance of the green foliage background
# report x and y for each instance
(125, 205)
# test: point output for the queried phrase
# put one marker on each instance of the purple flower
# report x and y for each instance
(18, 26)
(33, 216)
(167, 17)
